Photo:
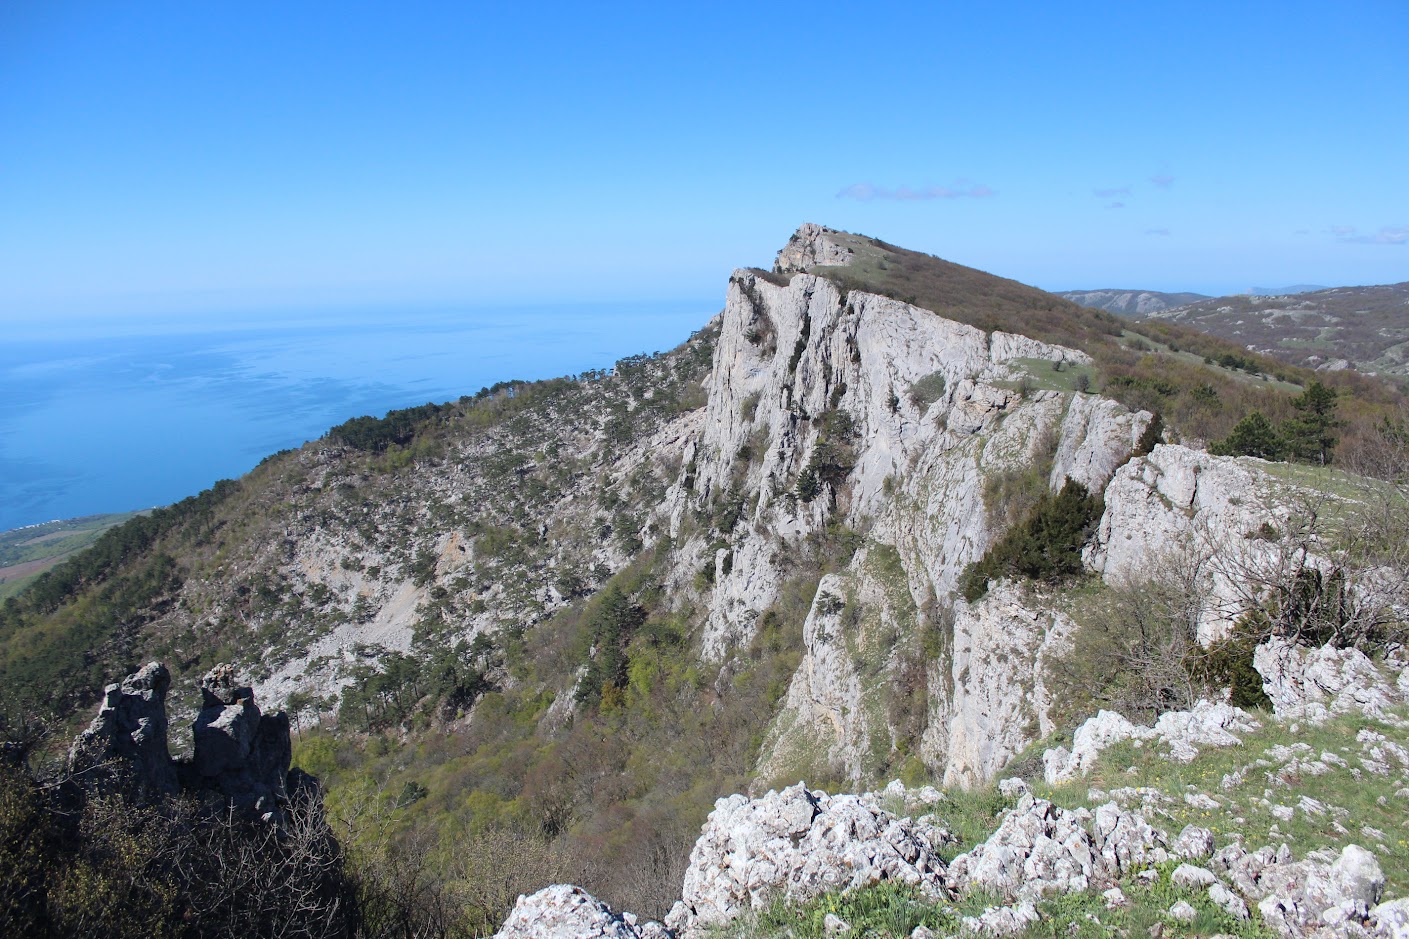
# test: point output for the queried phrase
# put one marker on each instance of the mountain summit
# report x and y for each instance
(884, 517)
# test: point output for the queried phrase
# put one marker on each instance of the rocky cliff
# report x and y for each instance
(1065, 860)
(597, 603)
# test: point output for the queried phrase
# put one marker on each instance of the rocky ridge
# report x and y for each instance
(797, 844)
(821, 457)
(1131, 302)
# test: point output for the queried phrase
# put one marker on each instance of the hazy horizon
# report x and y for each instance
(111, 423)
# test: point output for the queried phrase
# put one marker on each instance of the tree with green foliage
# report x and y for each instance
(1311, 434)
(1254, 435)
(1045, 546)
(614, 622)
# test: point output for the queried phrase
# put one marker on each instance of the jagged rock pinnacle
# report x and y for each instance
(811, 245)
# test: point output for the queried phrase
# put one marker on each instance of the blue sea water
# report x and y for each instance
(106, 417)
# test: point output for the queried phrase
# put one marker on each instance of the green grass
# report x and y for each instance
(890, 910)
(1041, 376)
(1352, 801)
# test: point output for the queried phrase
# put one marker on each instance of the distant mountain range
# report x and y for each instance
(1285, 291)
(1130, 302)
(1326, 328)
(1366, 328)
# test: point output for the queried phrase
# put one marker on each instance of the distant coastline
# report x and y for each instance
(127, 415)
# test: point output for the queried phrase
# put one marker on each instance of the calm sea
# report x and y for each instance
(105, 419)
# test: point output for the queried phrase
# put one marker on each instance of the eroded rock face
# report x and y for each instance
(798, 844)
(810, 246)
(1042, 850)
(124, 748)
(1175, 497)
(788, 356)
(563, 911)
(1181, 733)
(1314, 684)
(997, 701)
(240, 754)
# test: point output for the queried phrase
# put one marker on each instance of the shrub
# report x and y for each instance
(1046, 546)
(1134, 644)
(927, 390)
(1228, 664)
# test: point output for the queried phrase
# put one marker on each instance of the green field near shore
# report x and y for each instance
(27, 552)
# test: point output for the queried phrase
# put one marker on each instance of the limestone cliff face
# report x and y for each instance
(934, 412)
(1222, 515)
(997, 703)
(824, 416)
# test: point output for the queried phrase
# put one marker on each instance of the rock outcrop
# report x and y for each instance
(240, 755)
(812, 245)
(124, 749)
(239, 752)
(1042, 850)
(799, 843)
(1321, 895)
(563, 911)
(1315, 684)
(1181, 733)
(1205, 507)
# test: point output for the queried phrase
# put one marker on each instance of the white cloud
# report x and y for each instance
(1387, 235)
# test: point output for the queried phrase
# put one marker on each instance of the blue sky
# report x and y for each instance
(205, 158)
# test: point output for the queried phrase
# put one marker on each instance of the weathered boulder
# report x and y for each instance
(1181, 733)
(1323, 894)
(124, 748)
(1041, 850)
(1313, 684)
(563, 911)
(798, 844)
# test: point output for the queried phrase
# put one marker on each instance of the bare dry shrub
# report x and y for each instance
(1133, 643)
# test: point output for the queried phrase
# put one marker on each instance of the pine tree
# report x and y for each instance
(1254, 435)
(1310, 435)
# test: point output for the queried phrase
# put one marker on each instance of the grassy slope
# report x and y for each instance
(1369, 326)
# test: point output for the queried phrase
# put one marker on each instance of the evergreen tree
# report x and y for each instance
(1311, 434)
(1254, 435)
